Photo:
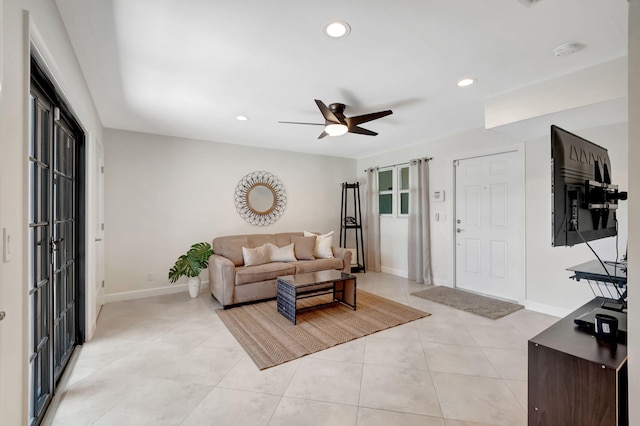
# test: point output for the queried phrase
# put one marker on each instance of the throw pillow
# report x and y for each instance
(322, 249)
(281, 254)
(303, 247)
(255, 256)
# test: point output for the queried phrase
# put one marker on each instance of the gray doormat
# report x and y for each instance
(465, 301)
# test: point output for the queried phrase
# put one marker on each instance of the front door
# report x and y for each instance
(489, 220)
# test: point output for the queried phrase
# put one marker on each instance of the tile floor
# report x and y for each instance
(169, 360)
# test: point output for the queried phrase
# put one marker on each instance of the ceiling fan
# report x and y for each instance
(337, 124)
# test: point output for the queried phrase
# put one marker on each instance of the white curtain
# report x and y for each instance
(372, 222)
(419, 254)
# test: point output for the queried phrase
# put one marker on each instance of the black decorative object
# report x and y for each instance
(352, 222)
(260, 198)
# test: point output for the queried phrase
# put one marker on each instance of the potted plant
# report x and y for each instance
(190, 265)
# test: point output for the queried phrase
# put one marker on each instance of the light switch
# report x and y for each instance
(6, 245)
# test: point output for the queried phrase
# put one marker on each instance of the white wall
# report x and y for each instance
(548, 287)
(444, 151)
(163, 194)
(38, 21)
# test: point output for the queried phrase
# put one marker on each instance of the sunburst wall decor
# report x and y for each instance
(260, 198)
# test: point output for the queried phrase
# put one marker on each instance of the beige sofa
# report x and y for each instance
(232, 282)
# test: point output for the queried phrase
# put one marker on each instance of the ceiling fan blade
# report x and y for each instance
(298, 122)
(359, 119)
(323, 134)
(361, 131)
(326, 112)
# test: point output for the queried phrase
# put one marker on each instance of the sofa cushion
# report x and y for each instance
(303, 247)
(285, 238)
(323, 245)
(257, 240)
(232, 249)
(281, 254)
(256, 256)
(268, 271)
(303, 266)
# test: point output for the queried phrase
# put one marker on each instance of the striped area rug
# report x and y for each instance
(271, 339)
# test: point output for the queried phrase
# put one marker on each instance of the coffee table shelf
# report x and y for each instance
(292, 288)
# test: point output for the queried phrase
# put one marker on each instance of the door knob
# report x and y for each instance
(53, 244)
(459, 230)
(2, 315)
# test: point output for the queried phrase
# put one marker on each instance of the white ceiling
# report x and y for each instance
(187, 68)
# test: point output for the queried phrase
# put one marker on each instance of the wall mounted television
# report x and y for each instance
(584, 201)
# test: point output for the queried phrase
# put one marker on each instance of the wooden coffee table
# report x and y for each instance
(292, 288)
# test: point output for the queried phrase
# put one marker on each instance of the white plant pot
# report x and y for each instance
(194, 286)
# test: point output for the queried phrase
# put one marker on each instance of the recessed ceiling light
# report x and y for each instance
(242, 118)
(467, 81)
(337, 29)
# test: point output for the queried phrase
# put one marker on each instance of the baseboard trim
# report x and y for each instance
(547, 309)
(437, 281)
(405, 274)
(149, 292)
(396, 272)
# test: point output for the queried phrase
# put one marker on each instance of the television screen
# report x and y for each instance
(583, 200)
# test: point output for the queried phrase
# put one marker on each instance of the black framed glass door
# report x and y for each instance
(41, 385)
(63, 246)
(55, 237)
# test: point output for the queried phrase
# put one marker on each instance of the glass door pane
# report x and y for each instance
(40, 375)
(63, 246)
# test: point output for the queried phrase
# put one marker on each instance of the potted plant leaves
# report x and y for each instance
(190, 265)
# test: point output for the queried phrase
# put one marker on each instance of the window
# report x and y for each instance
(385, 191)
(393, 190)
(403, 190)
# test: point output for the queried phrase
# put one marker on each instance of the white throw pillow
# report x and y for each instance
(255, 256)
(281, 254)
(323, 245)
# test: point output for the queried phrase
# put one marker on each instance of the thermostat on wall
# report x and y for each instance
(438, 195)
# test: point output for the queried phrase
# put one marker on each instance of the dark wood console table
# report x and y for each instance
(576, 380)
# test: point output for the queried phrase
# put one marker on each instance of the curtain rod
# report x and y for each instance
(400, 164)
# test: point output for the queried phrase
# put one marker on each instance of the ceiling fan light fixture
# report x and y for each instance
(335, 129)
(467, 81)
(337, 29)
